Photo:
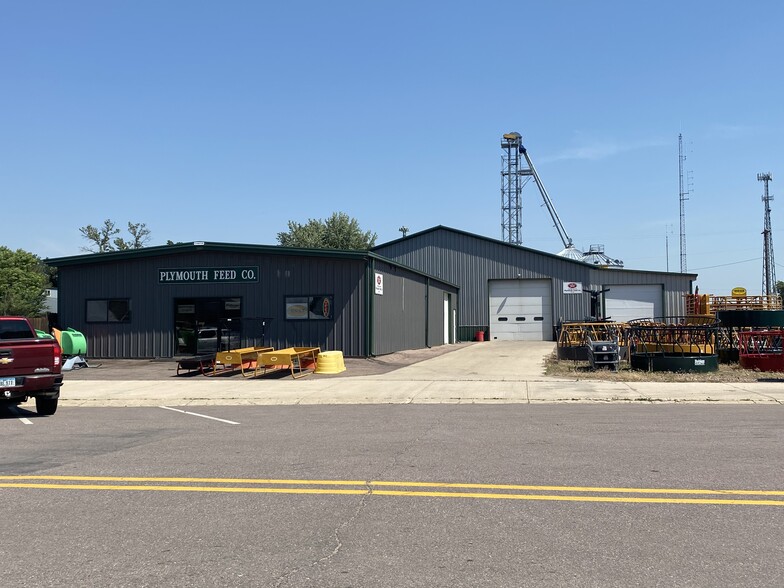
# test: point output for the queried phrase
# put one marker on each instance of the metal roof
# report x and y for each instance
(513, 246)
(197, 246)
(90, 258)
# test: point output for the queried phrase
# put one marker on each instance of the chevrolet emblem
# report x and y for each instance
(6, 360)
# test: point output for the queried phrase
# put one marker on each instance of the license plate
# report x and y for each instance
(7, 382)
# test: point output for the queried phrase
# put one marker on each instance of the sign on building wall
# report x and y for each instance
(572, 288)
(208, 275)
(379, 282)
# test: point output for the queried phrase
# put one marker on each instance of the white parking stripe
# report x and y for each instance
(26, 421)
(204, 416)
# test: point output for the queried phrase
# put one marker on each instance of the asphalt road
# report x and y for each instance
(547, 495)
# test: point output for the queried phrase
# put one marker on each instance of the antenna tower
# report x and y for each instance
(511, 188)
(683, 193)
(768, 264)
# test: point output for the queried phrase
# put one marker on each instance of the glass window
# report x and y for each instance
(108, 311)
(15, 329)
(309, 307)
(96, 311)
(119, 311)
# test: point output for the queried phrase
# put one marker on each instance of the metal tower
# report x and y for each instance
(513, 170)
(683, 193)
(511, 186)
(768, 264)
(516, 170)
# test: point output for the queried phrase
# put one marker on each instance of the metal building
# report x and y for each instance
(514, 292)
(195, 298)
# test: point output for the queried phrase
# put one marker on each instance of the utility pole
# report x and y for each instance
(667, 245)
(768, 263)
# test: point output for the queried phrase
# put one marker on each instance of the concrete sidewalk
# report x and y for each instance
(491, 372)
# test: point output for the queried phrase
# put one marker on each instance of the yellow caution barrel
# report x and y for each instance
(330, 362)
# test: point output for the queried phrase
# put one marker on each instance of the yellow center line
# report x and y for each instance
(581, 488)
(380, 488)
(412, 493)
(191, 480)
(567, 498)
(407, 484)
(228, 489)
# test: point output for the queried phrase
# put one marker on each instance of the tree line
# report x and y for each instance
(24, 277)
(339, 231)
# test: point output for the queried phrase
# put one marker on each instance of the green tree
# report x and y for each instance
(339, 231)
(23, 280)
(780, 288)
(104, 238)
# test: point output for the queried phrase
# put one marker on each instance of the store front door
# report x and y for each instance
(207, 325)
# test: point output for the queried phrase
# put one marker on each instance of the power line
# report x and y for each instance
(726, 264)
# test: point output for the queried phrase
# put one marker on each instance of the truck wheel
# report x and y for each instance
(45, 406)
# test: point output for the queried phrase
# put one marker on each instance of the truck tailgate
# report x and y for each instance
(27, 356)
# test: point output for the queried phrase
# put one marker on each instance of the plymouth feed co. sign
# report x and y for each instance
(208, 275)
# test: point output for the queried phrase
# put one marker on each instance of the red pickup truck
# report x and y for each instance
(29, 366)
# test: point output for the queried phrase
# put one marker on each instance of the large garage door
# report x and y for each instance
(521, 310)
(623, 303)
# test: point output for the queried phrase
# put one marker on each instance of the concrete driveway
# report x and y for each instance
(488, 372)
(488, 361)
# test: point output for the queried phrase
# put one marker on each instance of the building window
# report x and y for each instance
(308, 307)
(108, 311)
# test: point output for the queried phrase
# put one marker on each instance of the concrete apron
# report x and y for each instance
(490, 372)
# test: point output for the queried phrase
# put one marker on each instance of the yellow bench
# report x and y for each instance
(300, 361)
(244, 359)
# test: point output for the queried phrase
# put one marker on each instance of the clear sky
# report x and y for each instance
(223, 120)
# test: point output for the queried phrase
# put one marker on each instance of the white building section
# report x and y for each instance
(624, 303)
(521, 310)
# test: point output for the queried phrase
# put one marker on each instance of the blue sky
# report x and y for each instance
(222, 121)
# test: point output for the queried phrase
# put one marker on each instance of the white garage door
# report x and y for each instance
(623, 303)
(521, 310)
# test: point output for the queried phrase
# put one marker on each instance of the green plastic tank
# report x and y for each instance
(73, 342)
(43, 334)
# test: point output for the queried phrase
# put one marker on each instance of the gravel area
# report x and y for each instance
(580, 370)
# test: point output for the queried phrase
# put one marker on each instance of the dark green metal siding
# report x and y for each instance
(469, 261)
(409, 314)
(151, 330)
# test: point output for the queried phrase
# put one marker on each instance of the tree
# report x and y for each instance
(780, 288)
(339, 231)
(104, 238)
(140, 237)
(23, 280)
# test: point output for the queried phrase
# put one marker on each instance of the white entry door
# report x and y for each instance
(521, 310)
(446, 318)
